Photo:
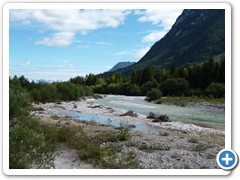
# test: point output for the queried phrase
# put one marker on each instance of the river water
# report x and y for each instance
(213, 118)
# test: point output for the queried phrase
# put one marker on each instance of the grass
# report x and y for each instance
(164, 134)
(122, 134)
(125, 161)
(150, 148)
(56, 117)
(193, 140)
(183, 101)
(34, 142)
(201, 147)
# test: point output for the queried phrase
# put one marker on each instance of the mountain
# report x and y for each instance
(121, 65)
(43, 81)
(197, 35)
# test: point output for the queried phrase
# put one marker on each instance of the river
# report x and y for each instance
(204, 117)
(200, 116)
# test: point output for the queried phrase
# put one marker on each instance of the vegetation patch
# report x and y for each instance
(122, 134)
(193, 140)
(150, 147)
(201, 147)
(164, 134)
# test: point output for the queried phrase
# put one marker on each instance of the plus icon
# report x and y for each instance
(227, 159)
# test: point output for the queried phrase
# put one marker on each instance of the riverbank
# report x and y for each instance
(89, 106)
(173, 145)
(194, 102)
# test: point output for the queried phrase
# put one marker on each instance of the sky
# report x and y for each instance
(58, 45)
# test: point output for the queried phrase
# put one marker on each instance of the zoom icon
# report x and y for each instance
(227, 159)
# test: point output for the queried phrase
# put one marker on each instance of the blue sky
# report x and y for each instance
(60, 44)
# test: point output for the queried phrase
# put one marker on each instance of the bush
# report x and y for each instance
(174, 87)
(216, 90)
(134, 90)
(68, 91)
(148, 86)
(28, 145)
(154, 94)
(19, 103)
(45, 93)
(109, 136)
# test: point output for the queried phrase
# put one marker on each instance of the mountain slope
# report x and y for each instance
(196, 36)
(121, 65)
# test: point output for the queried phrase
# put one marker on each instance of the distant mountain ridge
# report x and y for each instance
(196, 36)
(121, 65)
(43, 81)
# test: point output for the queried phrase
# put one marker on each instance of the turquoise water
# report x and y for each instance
(200, 116)
(139, 126)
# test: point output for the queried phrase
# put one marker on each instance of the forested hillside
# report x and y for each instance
(196, 36)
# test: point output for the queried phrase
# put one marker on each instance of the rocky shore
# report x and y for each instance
(175, 145)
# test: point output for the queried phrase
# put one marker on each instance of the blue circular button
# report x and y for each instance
(227, 159)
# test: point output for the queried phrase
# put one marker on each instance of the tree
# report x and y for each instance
(136, 77)
(19, 102)
(91, 80)
(147, 75)
(148, 86)
(174, 87)
(77, 80)
(216, 90)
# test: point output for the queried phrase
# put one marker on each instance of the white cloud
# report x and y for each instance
(65, 64)
(85, 44)
(121, 53)
(71, 21)
(137, 53)
(58, 39)
(141, 52)
(103, 43)
(154, 36)
(163, 18)
(25, 63)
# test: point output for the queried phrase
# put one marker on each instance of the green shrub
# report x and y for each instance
(201, 147)
(193, 140)
(134, 90)
(154, 94)
(45, 93)
(149, 148)
(122, 134)
(148, 86)
(174, 87)
(19, 102)
(216, 90)
(28, 145)
(164, 134)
